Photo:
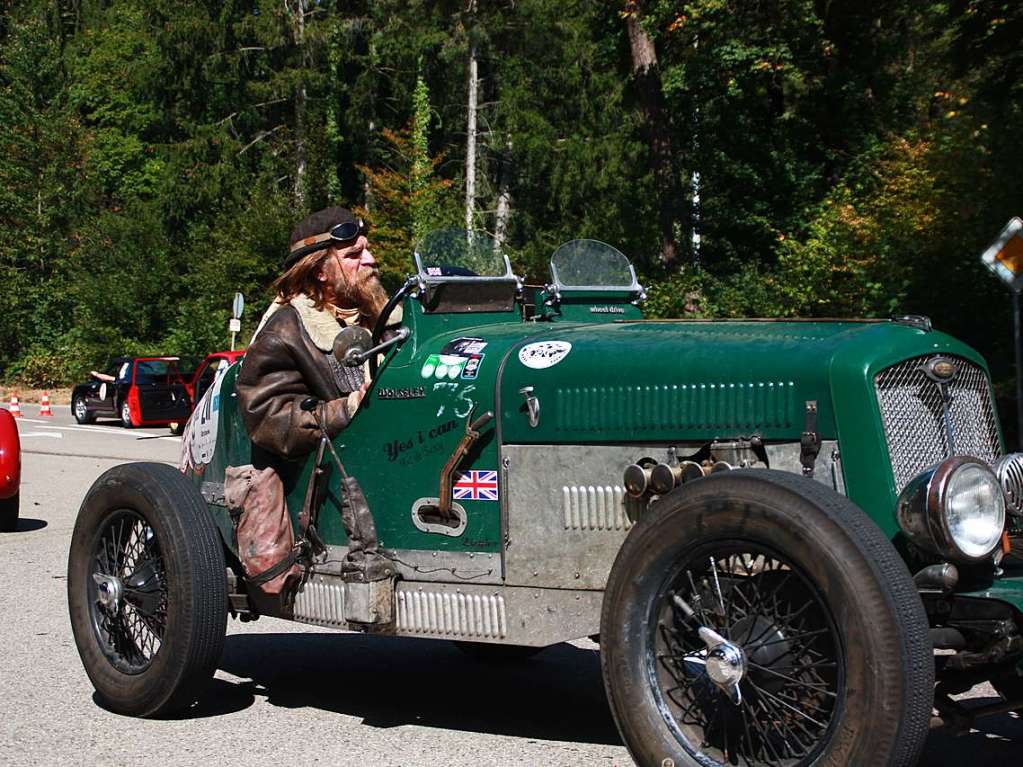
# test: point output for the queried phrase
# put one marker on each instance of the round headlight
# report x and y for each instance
(955, 509)
(974, 510)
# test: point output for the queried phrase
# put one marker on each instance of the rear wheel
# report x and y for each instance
(9, 513)
(147, 590)
(81, 411)
(758, 618)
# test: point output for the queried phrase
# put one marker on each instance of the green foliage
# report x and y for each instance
(853, 158)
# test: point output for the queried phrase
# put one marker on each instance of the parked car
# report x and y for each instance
(212, 367)
(10, 472)
(769, 526)
(140, 391)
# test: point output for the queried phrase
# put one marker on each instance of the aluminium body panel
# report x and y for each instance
(463, 611)
(568, 512)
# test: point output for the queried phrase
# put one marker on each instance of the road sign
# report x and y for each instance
(237, 307)
(1005, 255)
(235, 325)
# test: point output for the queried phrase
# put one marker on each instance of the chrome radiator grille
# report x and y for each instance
(922, 426)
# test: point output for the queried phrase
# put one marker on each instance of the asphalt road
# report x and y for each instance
(290, 692)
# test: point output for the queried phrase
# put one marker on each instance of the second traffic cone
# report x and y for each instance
(44, 405)
(14, 407)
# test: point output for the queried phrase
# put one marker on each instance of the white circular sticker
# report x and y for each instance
(202, 432)
(103, 390)
(544, 354)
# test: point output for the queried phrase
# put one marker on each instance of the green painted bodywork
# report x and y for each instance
(622, 382)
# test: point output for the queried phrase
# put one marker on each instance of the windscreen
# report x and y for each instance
(457, 253)
(157, 372)
(591, 264)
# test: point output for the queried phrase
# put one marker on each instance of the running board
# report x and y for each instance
(476, 613)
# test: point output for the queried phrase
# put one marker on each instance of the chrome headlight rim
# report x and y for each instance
(922, 510)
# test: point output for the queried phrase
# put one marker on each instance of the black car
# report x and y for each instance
(141, 391)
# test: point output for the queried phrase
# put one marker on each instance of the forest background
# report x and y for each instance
(753, 157)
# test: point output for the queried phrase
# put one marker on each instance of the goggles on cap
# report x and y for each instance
(346, 231)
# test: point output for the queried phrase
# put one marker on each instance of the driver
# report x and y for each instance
(330, 280)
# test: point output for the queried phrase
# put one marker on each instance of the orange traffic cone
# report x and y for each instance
(44, 405)
(15, 408)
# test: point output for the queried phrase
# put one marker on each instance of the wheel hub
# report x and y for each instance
(725, 663)
(109, 591)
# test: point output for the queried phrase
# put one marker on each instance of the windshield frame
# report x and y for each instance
(433, 279)
(561, 287)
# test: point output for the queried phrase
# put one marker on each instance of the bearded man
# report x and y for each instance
(330, 281)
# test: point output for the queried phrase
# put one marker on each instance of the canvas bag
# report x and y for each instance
(266, 540)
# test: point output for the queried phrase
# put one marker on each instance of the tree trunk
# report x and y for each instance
(651, 96)
(470, 141)
(503, 198)
(300, 105)
(470, 146)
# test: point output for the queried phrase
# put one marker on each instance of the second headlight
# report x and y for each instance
(955, 509)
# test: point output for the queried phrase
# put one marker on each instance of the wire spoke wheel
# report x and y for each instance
(759, 619)
(128, 592)
(793, 678)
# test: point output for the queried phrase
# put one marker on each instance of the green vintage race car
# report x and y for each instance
(770, 527)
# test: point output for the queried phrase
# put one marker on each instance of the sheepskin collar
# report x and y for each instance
(320, 324)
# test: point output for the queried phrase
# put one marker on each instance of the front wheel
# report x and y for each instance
(81, 411)
(147, 590)
(758, 618)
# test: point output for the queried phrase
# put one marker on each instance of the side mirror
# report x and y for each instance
(351, 344)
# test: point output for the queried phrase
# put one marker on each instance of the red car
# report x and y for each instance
(10, 472)
(141, 391)
(211, 368)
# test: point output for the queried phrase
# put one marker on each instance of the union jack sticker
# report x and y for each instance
(476, 486)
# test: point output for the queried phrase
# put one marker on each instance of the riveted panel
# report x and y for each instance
(568, 513)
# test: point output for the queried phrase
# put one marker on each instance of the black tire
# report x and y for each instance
(152, 653)
(9, 513)
(81, 411)
(858, 660)
(126, 415)
(177, 428)
(484, 652)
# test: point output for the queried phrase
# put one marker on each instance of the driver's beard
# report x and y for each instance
(366, 293)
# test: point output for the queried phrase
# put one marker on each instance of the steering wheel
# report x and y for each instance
(381, 323)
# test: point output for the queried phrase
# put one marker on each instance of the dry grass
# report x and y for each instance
(57, 396)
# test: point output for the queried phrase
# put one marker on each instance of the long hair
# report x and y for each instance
(301, 278)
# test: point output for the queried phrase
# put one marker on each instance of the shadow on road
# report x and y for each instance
(997, 740)
(556, 695)
(28, 525)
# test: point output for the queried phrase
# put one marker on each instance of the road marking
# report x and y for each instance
(103, 430)
(40, 434)
(126, 458)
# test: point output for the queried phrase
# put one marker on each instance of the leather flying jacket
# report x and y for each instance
(286, 362)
